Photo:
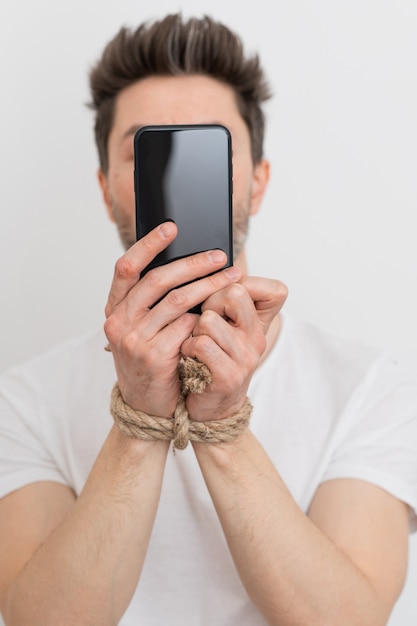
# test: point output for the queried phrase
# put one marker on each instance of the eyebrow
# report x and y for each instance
(131, 131)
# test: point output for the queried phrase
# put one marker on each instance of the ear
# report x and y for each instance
(259, 184)
(104, 186)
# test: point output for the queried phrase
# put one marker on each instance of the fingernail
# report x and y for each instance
(233, 272)
(217, 256)
(165, 229)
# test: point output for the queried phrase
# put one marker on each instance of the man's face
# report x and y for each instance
(179, 100)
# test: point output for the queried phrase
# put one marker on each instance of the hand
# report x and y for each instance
(145, 337)
(230, 338)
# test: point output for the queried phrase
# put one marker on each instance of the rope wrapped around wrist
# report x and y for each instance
(194, 377)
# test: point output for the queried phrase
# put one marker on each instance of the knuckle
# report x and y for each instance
(176, 298)
(129, 343)
(280, 290)
(217, 281)
(193, 262)
(236, 292)
(148, 242)
(153, 277)
(124, 268)
(111, 328)
(208, 317)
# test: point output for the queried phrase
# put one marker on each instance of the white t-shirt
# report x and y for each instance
(323, 408)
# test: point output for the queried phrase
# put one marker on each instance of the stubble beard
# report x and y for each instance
(125, 228)
(240, 229)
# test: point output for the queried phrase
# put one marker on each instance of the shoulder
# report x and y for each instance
(54, 414)
(320, 362)
(325, 348)
(358, 404)
(361, 374)
(74, 364)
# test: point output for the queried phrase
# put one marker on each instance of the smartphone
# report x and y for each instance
(183, 173)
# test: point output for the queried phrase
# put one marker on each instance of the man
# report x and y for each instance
(303, 517)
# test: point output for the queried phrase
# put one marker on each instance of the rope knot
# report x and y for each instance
(194, 377)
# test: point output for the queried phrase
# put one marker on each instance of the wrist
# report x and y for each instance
(225, 454)
(181, 429)
(131, 450)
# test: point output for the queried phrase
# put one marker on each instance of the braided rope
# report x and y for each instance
(194, 376)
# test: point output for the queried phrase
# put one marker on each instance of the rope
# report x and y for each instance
(181, 429)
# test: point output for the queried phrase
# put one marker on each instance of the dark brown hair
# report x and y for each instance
(172, 47)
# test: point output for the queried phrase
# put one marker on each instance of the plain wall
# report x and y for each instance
(337, 224)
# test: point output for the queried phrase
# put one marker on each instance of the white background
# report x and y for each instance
(337, 225)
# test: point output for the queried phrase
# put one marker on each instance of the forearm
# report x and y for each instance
(290, 569)
(88, 569)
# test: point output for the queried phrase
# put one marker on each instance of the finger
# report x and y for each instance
(229, 389)
(237, 340)
(268, 296)
(205, 349)
(181, 299)
(161, 280)
(233, 304)
(166, 345)
(133, 262)
(212, 333)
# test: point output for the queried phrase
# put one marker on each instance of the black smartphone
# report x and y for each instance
(183, 173)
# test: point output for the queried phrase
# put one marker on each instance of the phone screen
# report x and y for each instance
(184, 174)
